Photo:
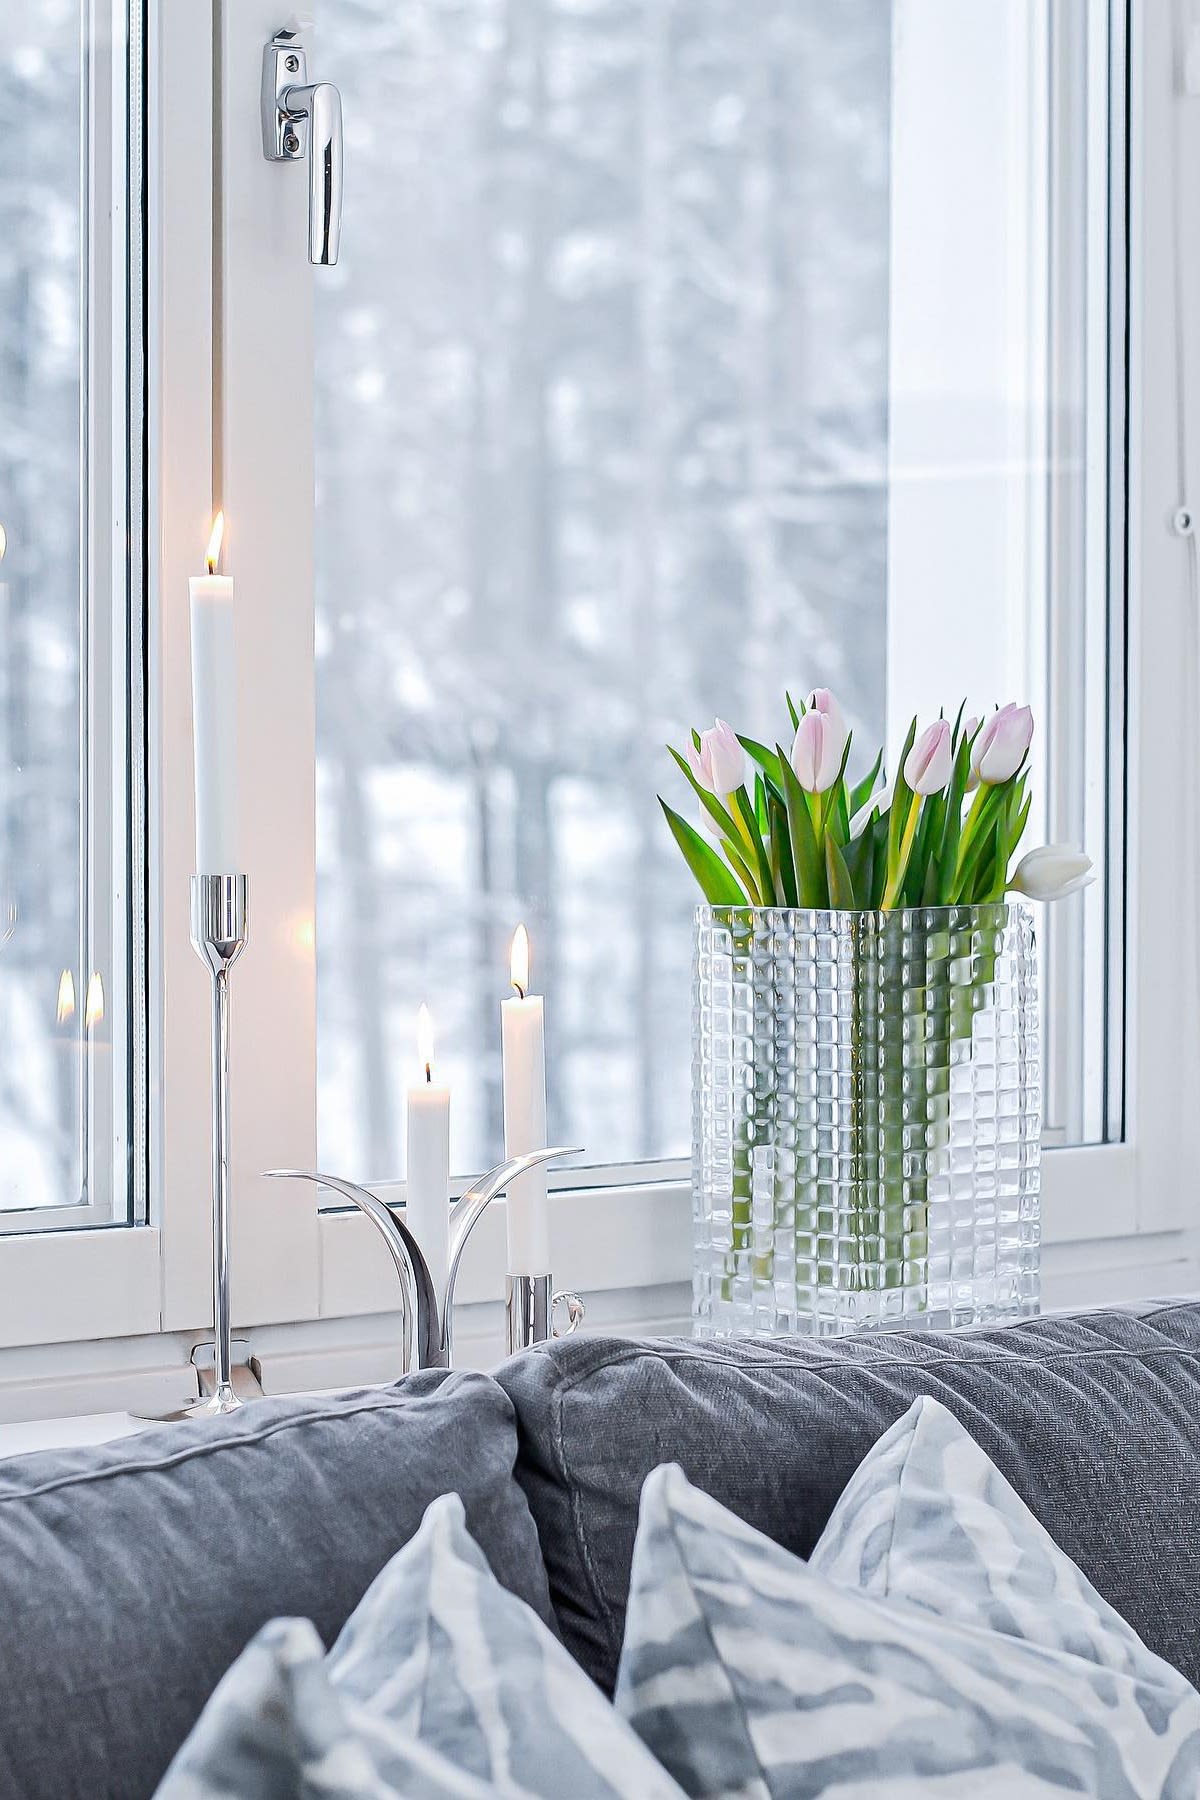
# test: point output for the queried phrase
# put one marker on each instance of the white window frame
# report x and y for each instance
(230, 316)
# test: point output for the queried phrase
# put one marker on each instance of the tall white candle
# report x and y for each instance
(214, 716)
(523, 1039)
(428, 1173)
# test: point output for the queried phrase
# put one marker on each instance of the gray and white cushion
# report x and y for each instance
(441, 1684)
(938, 1644)
(928, 1519)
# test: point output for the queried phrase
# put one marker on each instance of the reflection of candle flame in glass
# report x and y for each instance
(425, 1040)
(93, 1006)
(3, 542)
(66, 996)
(518, 962)
(214, 543)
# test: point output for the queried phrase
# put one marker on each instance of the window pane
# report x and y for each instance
(65, 839)
(630, 413)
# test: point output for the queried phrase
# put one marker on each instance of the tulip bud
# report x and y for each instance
(1000, 748)
(930, 763)
(1052, 872)
(720, 763)
(817, 751)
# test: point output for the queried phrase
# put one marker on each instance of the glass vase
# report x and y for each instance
(867, 1119)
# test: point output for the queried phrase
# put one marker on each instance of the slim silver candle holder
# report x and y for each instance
(220, 924)
(427, 1317)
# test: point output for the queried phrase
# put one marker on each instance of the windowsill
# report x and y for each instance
(61, 1434)
(342, 1353)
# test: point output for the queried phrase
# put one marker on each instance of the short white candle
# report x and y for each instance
(428, 1173)
(214, 716)
(523, 1039)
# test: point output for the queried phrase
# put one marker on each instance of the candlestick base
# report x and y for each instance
(220, 926)
(528, 1301)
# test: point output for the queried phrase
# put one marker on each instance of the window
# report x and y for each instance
(651, 380)
(71, 865)
(668, 362)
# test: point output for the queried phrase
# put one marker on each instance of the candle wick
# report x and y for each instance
(520, 990)
(429, 1073)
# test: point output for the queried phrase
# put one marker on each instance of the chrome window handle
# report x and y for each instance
(301, 119)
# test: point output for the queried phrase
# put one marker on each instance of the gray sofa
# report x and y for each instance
(132, 1575)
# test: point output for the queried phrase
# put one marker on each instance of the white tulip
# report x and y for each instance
(1052, 872)
(881, 799)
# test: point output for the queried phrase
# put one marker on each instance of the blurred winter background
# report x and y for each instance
(601, 452)
(40, 634)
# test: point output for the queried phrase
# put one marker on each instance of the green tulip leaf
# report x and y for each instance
(753, 838)
(767, 761)
(718, 883)
(841, 887)
(947, 853)
(862, 790)
(811, 881)
(859, 856)
(781, 850)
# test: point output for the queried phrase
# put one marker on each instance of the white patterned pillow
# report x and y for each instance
(937, 1645)
(929, 1519)
(441, 1684)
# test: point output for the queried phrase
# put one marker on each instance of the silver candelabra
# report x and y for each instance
(427, 1317)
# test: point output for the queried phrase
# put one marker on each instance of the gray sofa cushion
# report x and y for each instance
(1094, 1418)
(133, 1575)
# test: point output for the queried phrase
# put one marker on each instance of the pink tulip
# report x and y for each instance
(1001, 746)
(930, 763)
(817, 750)
(821, 700)
(720, 763)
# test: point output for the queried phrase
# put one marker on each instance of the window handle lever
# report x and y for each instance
(302, 119)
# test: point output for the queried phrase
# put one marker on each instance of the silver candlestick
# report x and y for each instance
(425, 1314)
(220, 916)
(530, 1304)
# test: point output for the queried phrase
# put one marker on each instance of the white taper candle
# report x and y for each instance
(523, 1040)
(428, 1170)
(214, 716)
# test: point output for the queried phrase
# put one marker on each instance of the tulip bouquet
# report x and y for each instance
(800, 833)
(832, 1193)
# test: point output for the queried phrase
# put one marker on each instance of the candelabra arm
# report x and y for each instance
(410, 1265)
(466, 1213)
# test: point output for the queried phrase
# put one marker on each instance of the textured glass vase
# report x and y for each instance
(867, 1119)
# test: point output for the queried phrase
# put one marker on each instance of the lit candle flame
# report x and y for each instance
(518, 962)
(3, 542)
(425, 1040)
(93, 1005)
(213, 556)
(66, 997)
